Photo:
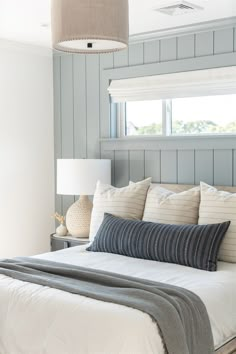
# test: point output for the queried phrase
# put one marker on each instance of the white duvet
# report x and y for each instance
(40, 320)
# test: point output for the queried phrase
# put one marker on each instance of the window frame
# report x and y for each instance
(122, 121)
(166, 124)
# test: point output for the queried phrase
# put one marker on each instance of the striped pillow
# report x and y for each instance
(127, 202)
(168, 207)
(217, 206)
(195, 246)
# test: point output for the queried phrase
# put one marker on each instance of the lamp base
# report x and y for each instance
(78, 217)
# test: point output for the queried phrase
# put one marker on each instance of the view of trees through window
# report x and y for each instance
(144, 117)
(195, 115)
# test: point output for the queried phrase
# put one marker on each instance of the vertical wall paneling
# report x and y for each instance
(67, 106)
(136, 54)
(168, 48)
(121, 58)
(153, 165)
(80, 110)
(204, 44)
(169, 166)
(224, 41)
(110, 155)
(204, 166)
(93, 105)
(186, 160)
(223, 167)
(151, 52)
(67, 115)
(182, 165)
(136, 165)
(106, 62)
(121, 168)
(57, 122)
(185, 47)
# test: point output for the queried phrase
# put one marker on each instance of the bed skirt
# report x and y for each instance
(228, 348)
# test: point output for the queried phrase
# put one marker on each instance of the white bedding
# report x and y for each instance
(40, 320)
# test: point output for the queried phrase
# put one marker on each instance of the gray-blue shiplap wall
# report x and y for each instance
(83, 127)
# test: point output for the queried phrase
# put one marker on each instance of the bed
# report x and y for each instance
(36, 319)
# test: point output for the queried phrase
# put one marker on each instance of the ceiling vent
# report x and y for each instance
(179, 8)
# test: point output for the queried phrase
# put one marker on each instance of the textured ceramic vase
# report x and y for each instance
(78, 217)
(61, 230)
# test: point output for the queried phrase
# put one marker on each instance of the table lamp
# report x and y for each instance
(79, 177)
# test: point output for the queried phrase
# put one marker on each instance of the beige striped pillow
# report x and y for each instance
(127, 202)
(167, 207)
(219, 206)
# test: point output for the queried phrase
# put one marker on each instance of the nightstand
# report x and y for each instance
(61, 242)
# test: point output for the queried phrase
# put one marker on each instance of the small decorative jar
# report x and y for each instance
(61, 230)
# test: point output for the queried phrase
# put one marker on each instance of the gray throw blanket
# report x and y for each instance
(181, 316)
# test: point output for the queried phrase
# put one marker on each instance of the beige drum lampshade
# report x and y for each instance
(90, 26)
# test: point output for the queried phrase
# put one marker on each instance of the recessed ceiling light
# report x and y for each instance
(45, 24)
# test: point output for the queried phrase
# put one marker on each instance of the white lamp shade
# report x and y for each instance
(90, 26)
(79, 176)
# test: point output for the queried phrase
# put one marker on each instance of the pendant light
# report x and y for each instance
(90, 26)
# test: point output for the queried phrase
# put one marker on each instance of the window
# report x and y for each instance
(179, 116)
(144, 118)
(197, 115)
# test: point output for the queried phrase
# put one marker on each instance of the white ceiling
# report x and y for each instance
(24, 20)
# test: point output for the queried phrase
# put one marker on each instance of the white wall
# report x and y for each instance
(26, 151)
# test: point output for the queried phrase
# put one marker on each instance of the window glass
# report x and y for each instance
(192, 115)
(144, 118)
(198, 115)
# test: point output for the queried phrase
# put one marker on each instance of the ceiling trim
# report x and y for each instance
(183, 30)
(133, 39)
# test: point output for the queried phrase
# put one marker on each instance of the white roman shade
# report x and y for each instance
(185, 84)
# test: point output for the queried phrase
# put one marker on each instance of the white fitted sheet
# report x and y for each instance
(36, 319)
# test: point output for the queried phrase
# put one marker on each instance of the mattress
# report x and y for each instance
(36, 319)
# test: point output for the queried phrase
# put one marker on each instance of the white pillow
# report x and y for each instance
(219, 206)
(167, 207)
(127, 202)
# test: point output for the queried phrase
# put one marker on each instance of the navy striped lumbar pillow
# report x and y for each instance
(195, 246)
